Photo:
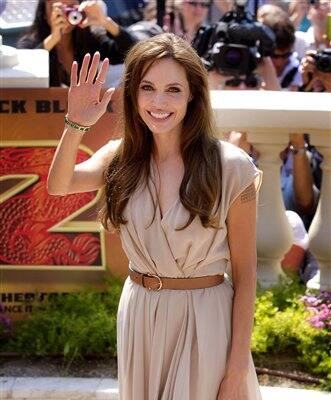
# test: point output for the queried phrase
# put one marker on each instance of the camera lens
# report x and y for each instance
(233, 57)
(75, 17)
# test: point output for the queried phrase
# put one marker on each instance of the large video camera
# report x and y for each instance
(323, 60)
(235, 44)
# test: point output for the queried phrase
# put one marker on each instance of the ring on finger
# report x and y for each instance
(101, 82)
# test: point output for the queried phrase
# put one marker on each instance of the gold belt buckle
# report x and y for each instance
(160, 284)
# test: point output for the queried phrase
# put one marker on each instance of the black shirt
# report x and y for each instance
(84, 41)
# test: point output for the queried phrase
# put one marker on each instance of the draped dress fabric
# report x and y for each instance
(173, 344)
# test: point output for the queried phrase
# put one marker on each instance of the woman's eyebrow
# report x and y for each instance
(168, 84)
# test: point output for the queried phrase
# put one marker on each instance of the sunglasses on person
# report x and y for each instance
(250, 81)
(284, 56)
(198, 3)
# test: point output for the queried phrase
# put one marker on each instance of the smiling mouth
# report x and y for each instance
(160, 116)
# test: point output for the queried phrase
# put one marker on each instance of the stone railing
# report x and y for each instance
(268, 118)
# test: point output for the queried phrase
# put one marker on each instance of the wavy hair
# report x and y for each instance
(200, 189)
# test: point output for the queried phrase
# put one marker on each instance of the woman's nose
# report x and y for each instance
(159, 99)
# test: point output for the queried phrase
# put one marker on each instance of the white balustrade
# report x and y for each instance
(268, 118)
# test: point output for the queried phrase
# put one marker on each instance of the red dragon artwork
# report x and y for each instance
(27, 216)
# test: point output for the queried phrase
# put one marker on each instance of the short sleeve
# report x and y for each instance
(238, 172)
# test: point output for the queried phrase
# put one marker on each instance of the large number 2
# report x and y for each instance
(39, 231)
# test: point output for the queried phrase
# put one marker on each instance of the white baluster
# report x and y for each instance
(320, 228)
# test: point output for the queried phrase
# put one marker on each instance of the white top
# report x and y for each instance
(305, 41)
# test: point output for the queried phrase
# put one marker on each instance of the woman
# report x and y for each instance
(65, 42)
(184, 205)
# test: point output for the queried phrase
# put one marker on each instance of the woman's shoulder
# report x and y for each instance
(232, 155)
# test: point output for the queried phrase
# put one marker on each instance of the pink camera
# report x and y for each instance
(73, 15)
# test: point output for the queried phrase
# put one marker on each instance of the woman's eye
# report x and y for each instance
(174, 89)
(146, 87)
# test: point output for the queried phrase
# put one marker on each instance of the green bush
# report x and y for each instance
(71, 325)
(282, 326)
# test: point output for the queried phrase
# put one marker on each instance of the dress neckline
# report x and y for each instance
(155, 193)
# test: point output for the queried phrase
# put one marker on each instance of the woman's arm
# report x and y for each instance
(241, 224)
(65, 177)
(84, 108)
(117, 42)
(302, 176)
(267, 72)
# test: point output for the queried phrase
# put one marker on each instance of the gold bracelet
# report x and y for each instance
(74, 125)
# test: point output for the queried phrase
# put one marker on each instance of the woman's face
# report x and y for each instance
(163, 95)
(196, 11)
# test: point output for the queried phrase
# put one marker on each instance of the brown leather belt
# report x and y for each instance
(156, 283)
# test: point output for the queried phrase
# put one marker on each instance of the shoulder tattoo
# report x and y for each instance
(248, 194)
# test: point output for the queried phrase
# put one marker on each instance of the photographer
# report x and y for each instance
(236, 52)
(68, 41)
(316, 71)
(284, 59)
(265, 78)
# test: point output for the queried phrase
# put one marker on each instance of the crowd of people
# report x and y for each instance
(300, 31)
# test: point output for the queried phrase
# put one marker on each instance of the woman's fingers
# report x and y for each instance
(101, 78)
(93, 68)
(84, 69)
(73, 76)
(106, 98)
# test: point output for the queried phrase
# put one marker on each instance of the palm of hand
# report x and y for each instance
(84, 104)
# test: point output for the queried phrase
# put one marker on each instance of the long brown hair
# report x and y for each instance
(200, 189)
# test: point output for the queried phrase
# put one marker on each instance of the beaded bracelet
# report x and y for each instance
(73, 125)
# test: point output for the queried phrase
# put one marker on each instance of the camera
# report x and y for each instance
(73, 15)
(235, 44)
(323, 60)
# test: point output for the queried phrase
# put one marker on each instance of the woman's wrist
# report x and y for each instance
(50, 42)
(75, 125)
(237, 371)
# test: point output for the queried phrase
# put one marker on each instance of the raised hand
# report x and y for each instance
(94, 14)
(58, 22)
(84, 104)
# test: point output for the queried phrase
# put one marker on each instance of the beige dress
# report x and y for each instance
(173, 344)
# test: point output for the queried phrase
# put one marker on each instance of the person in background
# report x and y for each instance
(65, 42)
(301, 177)
(284, 59)
(219, 7)
(182, 17)
(315, 37)
(297, 11)
(313, 79)
(266, 78)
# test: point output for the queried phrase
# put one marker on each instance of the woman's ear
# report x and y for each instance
(190, 97)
